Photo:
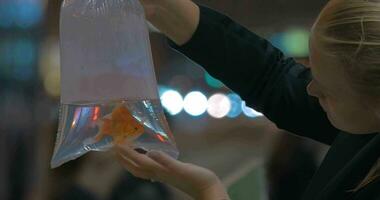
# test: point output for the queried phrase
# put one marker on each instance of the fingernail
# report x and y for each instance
(140, 150)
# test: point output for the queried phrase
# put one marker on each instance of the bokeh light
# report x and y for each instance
(296, 42)
(219, 105)
(21, 13)
(6, 57)
(249, 112)
(29, 13)
(24, 58)
(49, 66)
(52, 83)
(162, 89)
(18, 58)
(172, 101)
(212, 82)
(277, 40)
(6, 18)
(293, 42)
(195, 103)
(236, 108)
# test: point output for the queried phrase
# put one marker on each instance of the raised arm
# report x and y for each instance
(246, 63)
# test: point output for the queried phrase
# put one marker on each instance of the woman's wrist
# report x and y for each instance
(214, 192)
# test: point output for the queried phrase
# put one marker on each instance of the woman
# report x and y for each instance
(336, 101)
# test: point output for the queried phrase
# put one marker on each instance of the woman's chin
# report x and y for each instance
(349, 128)
(352, 128)
(341, 126)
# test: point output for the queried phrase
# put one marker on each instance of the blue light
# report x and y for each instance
(24, 52)
(6, 17)
(24, 58)
(212, 82)
(17, 58)
(249, 112)
(28, 14)
(23, 73)
(162, 89)
(24, 14)
(6, 58)
(5, 52)
(236, 108)
(277, 40)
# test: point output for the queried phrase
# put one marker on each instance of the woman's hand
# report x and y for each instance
(198, 182)
(177, 19)
(151, 7)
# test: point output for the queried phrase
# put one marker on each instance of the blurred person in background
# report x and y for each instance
(65, 186)
(335, 101)
(292, 159)
(79, 181)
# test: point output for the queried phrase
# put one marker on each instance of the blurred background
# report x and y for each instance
(212, 125)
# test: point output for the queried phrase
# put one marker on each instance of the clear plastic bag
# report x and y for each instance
(108, 85)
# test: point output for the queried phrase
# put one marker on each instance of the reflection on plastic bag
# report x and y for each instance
(108, 85)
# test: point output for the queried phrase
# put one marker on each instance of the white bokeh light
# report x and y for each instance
(219, 105)
(249, 112)
(172, 101)
(195, 103)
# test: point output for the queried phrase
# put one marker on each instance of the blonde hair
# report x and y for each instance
(349, 31)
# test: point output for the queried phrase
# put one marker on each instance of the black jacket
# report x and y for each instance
(276, 86)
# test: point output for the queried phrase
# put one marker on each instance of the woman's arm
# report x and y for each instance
(246, 63)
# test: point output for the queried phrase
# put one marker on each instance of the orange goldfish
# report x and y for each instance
(121, 125)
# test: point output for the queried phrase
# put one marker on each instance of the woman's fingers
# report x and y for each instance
(132, 167)
(164, 160)
(153, 165)
(140, 159)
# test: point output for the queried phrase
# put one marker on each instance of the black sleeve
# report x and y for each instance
(250, 66)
